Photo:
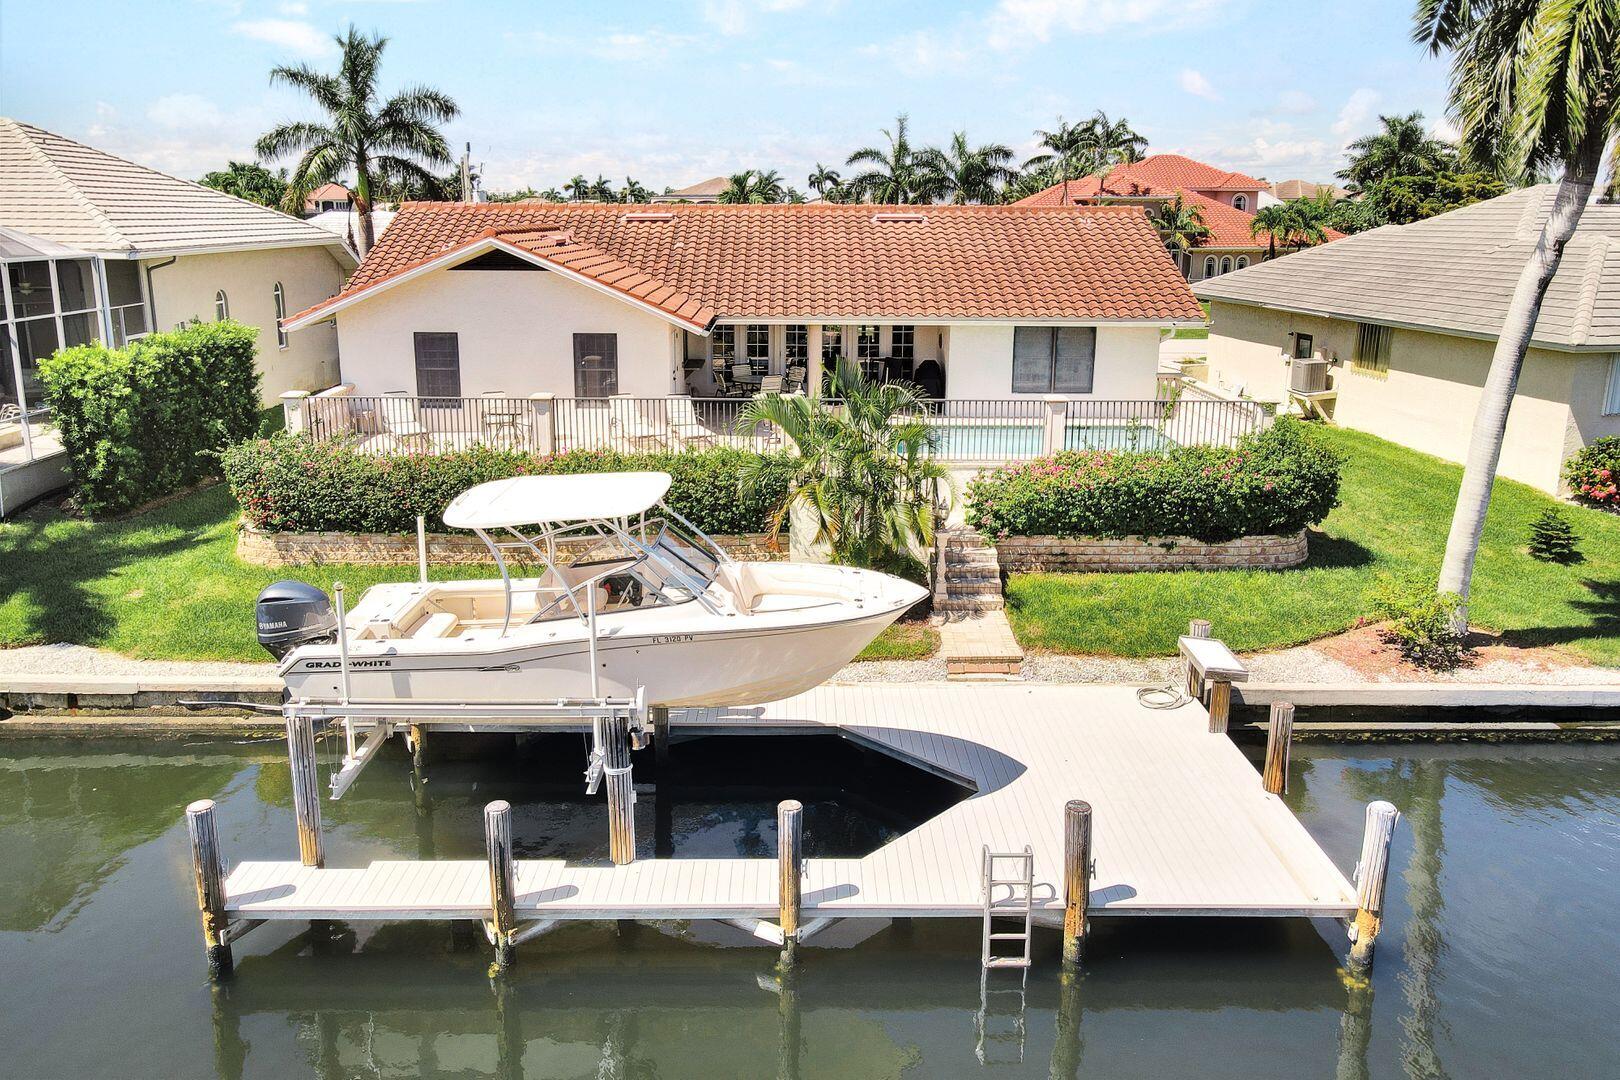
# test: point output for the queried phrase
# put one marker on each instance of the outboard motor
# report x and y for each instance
(292, 613)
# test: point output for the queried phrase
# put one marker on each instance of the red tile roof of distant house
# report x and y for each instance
(1160, 174)
(817, 262)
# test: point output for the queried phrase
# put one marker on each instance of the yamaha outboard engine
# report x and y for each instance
(290, 614)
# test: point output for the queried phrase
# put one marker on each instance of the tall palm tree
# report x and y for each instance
(1066, 150)
(601, 189)
(1537, 82)
(578, 188)
(865, 473)
(380, 141)
(1403, 148)
(739, 188)
(635, 191)
(893, 174)
(824, 180)
(969, 174)
(1113, 141)
(1180, 226)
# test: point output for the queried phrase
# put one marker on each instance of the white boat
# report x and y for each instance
(628, 599)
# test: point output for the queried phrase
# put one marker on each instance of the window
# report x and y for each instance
(796, 340)
(222, 306)
(438, 365)
(723, 346)
(1243, 260)
(1304, 346)
(1240, 202)
(1226, 265)
(1209, 267)
(126, 306)
(596, 365)
(1054, 359)
(903, 342)
(280, 296)
(30, 284)
(758, 349)
(1611, 397)
(1372, 348)
(832, 344)
(867, 343)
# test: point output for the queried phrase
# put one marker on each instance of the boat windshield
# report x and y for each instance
(653, 563)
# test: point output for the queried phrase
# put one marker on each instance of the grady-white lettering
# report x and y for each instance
(333, 665)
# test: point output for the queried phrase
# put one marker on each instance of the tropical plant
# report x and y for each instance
(1552, 538)
(1113, 141)
(601, 190)
(897, 173)
(963, 173)
(1405, 199)
(1075, 150)
(1294, 224)
(1534, 83)
(1593, 472)
(578, 188)
(1402, 148)
(865, 475)
(825, 182)
(249, 180)
(1181, 226)
(634, 191)
(753, 186)
(379, 141)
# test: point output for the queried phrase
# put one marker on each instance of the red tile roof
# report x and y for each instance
(1159, 174)
(823, 260)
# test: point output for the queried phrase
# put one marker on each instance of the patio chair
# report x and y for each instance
(793, 383)
(684, 424)
(770, 384)
(723, 386)
(628, 424)
(742, 373)
(402, 417)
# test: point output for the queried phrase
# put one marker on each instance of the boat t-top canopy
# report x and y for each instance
(541, 500)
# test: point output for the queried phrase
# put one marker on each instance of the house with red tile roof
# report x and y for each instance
(1226, 200)
(590, 300)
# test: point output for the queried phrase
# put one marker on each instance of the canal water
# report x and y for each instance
(1500, 955)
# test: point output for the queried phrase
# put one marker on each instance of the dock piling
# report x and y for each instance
(418, 737)
(1076, 879)
(306, 794)
(660, 720)
(208, 867)
(1279, 739)
(621, 790)
(502, 885)
(789, 867)
(1197, 628)
(1371, 873)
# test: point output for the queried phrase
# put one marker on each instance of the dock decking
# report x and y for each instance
(1181, 825)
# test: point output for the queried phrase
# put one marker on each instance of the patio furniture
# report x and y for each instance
(743, 374)
(931, 377)
(502, 418)
(684, 424)
(770, 384)
(723, 386)
(402, 417)
(632, 427)
(793, 383)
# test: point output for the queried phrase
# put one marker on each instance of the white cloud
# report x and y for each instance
(626, 46)
(1357, 113)
(1194, 83)
(293, 7)
(181, 112)
(1019, 23)
(299, 37)
(1295, 103)
(732, 17)
(1277, 159)
(183, 135)
(1443, 128)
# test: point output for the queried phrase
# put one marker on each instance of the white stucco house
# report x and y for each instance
(1391, 331)
(593, 300)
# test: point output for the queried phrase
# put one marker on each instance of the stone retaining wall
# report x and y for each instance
(285, 548)
(1125, 554)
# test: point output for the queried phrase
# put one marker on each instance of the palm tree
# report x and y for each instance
(1180, 226)
(824, 180)
(865, 473)
(739, 188)
(1067, 151)
(1538, 84)
(251, 181)
(578, 188)
(635, 191)
(768, 187)
(601, 189)
(969, 174)
(1402, 148)
(893, 174)
(1113, 141)
(380, 141)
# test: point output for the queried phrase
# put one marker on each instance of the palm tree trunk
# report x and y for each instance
(362, 208)
(1490, 422)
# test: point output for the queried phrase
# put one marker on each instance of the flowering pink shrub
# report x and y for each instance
(1593, 472)
(1276, 481)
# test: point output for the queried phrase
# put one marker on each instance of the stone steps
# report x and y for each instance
(976, 640)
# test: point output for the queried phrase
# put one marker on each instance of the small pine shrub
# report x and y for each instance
(1420, 623)
(1552, 539)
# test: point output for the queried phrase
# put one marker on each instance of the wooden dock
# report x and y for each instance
(1181, 825)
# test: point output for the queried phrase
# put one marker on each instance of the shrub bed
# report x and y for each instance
(147, 420)
(294, 484)
(1593, 473)
(1275, 482)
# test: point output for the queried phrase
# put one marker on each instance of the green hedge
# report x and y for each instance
(294, 484)
(1593, 473)
(147, 420)
(1274, 482)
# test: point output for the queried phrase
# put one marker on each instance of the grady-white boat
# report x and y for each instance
(630, 599)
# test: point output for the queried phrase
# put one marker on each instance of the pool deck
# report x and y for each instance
(1181, 825)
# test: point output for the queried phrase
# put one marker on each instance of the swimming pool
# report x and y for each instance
(1012, 441)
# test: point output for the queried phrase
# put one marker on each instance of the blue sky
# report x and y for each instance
(678, 91)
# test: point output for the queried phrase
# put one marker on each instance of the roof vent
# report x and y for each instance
(650, 215)
(900, 215)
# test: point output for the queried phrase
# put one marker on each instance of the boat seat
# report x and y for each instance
(437, 625)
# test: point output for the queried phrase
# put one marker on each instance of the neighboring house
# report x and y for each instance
(1227, 201)
(1289, 190)
(327, 198)
(170, 251)
(346, 223)
(1391, 331)
(591, 300)
(707, 193)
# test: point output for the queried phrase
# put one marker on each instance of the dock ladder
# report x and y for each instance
(1008, 898)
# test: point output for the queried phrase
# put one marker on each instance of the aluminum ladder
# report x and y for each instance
(1013, 903)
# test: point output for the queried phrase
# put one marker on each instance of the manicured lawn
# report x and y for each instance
(1396, 510)
(167, 585)
(1190, 333)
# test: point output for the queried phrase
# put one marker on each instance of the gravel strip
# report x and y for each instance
(83, 660)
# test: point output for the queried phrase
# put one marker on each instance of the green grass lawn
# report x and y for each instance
(167, 584)
(1396, 510)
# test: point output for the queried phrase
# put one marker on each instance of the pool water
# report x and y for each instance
(1008, 442)
(1497, 957)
